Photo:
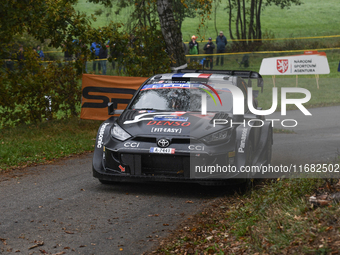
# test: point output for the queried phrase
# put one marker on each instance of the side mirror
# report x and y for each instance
(238, 118)
(111, 109)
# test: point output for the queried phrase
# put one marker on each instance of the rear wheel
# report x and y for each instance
(247, 185)
(249, 156)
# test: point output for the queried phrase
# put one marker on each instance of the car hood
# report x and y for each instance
(156, 123)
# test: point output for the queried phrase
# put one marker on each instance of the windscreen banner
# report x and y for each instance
(99, 90)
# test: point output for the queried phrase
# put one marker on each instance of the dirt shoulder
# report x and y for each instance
(257, 223)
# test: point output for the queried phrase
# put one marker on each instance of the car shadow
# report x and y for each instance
(166, 189)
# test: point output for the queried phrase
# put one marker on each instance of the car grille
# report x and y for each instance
(168, 165)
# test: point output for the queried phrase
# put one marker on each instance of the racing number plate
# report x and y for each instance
(162, 150)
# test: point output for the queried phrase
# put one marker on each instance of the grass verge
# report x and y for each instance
(274, 218)
(27, 145)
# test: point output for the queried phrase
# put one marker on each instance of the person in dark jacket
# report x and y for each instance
(40, 52)
(209, 49)
(221, 42)
(21, 57)
(95, 48)
(103, 56)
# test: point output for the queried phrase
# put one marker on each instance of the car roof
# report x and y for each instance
(227, 76)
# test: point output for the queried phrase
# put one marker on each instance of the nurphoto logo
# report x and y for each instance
(238, 102)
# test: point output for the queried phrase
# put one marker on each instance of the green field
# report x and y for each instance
(312, 18)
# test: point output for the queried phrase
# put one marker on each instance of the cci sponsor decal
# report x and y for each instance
(196, 147)
(131, 145)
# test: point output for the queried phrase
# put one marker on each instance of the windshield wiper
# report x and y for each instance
(145, 109)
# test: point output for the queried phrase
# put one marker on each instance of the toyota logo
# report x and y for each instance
(163, 143)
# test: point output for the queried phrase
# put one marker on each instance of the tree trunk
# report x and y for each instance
(238, 18)
(230, 19)
(258, 21)
(171, 33)
(251, 21)
(216, 5)
(244, 31)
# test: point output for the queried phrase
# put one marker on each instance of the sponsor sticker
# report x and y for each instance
(243, 140)
(131, 145)
(162, 150)
(168, 123)
(162, 85)
(166, 130)
(101, 134)
(167, 118)
(231, 154)
(122, 168)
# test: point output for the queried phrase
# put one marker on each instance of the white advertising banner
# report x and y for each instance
(311, 62)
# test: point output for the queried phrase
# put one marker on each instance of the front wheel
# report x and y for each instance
(247, 185)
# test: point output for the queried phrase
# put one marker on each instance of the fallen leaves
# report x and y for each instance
(213, 230)
(37, 244)
(59, 253)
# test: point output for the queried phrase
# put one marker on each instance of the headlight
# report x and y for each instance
(221, 136)
(119, 133)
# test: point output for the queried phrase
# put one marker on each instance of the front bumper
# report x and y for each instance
(136, 165)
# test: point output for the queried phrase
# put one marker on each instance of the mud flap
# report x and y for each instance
(261, 149)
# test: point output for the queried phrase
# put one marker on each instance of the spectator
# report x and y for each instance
(95, 48)
(77, 44)
(40, 52)
(193, 47)
(221, 42)
(209, 49)
(21, 57)
(36, 53)
(8, 63)
(102, 58)
(113, 55)
(133, 39)
(67, 55)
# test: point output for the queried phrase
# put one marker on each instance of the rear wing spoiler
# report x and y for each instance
(243, 74)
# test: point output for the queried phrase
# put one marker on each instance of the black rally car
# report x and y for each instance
(183, 127)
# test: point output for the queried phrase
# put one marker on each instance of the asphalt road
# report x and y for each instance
(316, 138)
(68, 210)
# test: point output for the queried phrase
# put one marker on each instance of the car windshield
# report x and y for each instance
(178, 97)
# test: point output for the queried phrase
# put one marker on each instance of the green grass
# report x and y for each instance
(29, 144)
(312, 18)
(277, 217)
(273, 218)
(326, 95)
